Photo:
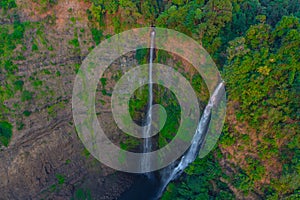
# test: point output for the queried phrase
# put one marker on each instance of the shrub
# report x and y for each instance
(26, 95)
(5, 133)
(19, 85)
(34, 47)
(46, 71)
(27, 113)
(60, 178)
(81, 194)
(37, 83)
(97, 35)
(141, 55)
(103, 81)
(74, 42)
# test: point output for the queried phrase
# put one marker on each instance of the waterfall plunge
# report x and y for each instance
(147, 146)
(173, 171)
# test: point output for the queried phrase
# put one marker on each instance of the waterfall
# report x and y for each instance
(173, 171)
(147, 145)
(154, 187)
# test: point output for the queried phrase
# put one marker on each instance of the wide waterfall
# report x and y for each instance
(147, 145)
(173, 171)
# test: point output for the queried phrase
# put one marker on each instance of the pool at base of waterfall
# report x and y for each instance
(143, 189)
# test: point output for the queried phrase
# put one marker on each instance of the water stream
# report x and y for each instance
(147, 145)
(173, 171)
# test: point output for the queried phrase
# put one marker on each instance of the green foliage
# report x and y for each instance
(100, 7)
(141, 56)
(27, 113)
(81, 194)
(261, 77)
(34, 47)
(261, 72)
(162, 56)
(243, 182)
(50, 48)
(73, 19)
(255, 170)
(255, 43)
(116, 24)
(68, 161)
(44, 4)
(18, 32)
(18, 85)
(11, 36)
(26, 95)
(200, 87)
(57, 73)
(203, 20)
(96, 12)
(8, 41)
(138, 108)
(37, 83)
(52, 110)
(8, 4)
(149, 9)
(5, 133)
(276, 9)
(53, 188)
(138, 102)
(86, 153)
(122, 14)
(74, 42)
(227, 137)
(168, 100)
(109, 7)
(20, 125)
(103, 81)
(178, 2)
(46, 71)
(60, 178)
(97, 35)
(129, 143)
(201, 182)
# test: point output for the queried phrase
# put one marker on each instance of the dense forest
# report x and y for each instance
(256, 46)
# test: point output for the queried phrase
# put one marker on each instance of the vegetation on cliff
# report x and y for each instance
(255, 44)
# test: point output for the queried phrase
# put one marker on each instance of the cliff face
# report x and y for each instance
(51, 163)
(42, 44)
(45, 159)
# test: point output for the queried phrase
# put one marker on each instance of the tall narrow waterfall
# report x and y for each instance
(147, 146)
(173, 171)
